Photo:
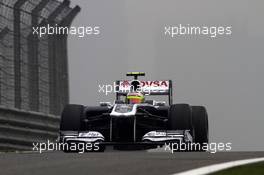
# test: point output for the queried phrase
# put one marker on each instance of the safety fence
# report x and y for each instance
(33, 69)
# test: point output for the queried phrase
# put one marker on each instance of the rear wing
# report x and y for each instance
(158, 87)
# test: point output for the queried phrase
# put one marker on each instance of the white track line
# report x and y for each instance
(217, 167)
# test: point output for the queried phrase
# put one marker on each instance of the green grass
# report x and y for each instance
(251, 169)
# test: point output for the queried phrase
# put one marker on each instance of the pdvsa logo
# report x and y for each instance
(127, 83)
(154, 83)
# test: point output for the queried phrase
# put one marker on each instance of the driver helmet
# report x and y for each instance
(135, 98)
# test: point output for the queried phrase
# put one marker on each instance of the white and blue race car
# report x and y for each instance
(134, 120)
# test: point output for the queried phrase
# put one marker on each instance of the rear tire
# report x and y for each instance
(200, 121)
(71, 118)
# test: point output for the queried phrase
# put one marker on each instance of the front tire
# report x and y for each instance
(200, 121)
(180, 117)
(71, 118)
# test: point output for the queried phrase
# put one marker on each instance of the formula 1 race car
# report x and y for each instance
(134, 120)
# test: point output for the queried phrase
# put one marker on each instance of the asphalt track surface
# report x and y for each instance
(112, 162)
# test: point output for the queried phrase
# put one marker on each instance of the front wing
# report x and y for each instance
(153, 138)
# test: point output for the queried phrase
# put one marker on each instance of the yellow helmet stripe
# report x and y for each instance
(135, 97)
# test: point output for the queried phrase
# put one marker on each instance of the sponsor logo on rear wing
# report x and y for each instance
(158, 87)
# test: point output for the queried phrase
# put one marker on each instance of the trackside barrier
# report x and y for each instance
(19, 128)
